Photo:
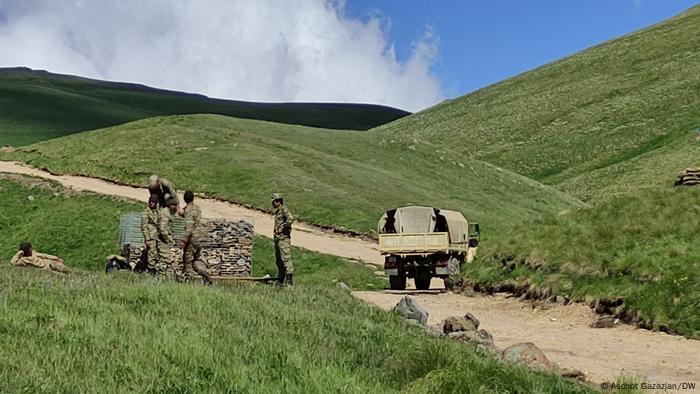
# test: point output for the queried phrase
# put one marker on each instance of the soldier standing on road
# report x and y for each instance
(162, 188)
(165, 234)
(282, 237)
(191, 247)
(149, 227)
(27, 257)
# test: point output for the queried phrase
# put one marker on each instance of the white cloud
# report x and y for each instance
(261, 50)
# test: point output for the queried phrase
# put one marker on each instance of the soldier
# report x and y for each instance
(27, 257)
(149, 227)
(282, 237)
(165, 234)
(162, 188)
(191, 242)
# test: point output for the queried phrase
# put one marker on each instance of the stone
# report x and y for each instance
(226, 250)
(343, 286)
(528, 354)
(605, 322)
(560, 300)
(410, 309)
(460, 324)
(481, 337)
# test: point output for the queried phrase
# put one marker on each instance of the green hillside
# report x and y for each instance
(587, 114)
(333, 178)
(37, 105)
(635, 257)
(95, 333)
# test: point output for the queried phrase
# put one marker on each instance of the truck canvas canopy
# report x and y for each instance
(417, 219)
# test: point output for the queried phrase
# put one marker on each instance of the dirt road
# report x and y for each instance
(562, 332)
(305, 236)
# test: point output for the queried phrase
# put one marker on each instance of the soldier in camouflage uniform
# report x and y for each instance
(282, 237)
(27, 257)
(149, 227)
(165, 234)
(162, 188)
(191, 242)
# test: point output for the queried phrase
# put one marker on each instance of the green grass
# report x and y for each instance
(93, 332)
(584, 116)
(333, 178)
(129, 333)
(642, 249)
(37, 105)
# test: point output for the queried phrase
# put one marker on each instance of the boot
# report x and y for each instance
(281, 275)
(207, 279)
(288, 280)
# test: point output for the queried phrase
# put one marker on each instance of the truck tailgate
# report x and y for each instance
(407, 243)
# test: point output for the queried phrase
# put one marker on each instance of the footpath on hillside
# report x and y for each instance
(562, 332)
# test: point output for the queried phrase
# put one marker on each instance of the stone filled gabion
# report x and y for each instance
(227, 249)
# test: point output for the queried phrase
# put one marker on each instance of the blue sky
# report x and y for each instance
(482, 42)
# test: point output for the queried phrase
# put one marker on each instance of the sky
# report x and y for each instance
(406, 54)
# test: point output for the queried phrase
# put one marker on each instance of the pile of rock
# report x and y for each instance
(227, 249)
(466, 329)
(689, 177)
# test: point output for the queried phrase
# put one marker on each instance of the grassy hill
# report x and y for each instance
(37, 105)
(333, 178)
(583, 117)
(635, 257)
(92, 332)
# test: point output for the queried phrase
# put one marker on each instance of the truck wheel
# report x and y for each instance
(422, 283)
(397, 282)
(453, 269)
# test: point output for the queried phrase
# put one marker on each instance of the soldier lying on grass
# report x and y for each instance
(27, 257)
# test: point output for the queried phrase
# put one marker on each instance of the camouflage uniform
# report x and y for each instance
(39, 260)
(149, 227)
(282, 236)
(165, 240)
(164, 191)
(194, 233)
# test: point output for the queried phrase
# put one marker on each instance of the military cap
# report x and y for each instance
(171, 201)
(276, 196)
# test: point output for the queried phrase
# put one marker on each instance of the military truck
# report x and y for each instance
(424, 243)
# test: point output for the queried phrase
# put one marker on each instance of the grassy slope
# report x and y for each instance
(641, 248)
(582, 115)
(335, 178)
(90, 332)
(36, 105)
(129, 333)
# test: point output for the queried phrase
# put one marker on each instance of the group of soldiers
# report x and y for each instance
(157, 229)
(156, 226)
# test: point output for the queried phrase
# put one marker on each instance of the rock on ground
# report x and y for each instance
(527, 354)
(459, 324)
(409, 308)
